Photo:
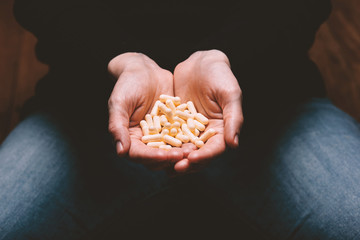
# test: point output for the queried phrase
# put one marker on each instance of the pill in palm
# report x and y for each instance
(170, 124)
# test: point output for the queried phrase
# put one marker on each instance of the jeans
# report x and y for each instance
(297, 181)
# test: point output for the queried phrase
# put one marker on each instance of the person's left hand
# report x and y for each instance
(205, 78)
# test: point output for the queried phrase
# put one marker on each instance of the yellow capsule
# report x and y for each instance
(207, 134)
(172, 141)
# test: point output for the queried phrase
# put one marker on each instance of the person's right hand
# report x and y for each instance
(139, 83)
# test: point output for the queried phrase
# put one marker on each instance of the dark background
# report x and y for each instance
(336, 51)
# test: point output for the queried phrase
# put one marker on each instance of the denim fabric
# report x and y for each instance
(296, 181)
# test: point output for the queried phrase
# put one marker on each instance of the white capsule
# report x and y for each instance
(163, 120)
(163, 108)
(191, 107)
(188, 133)
(164, 97)
(167, 125)
(180, 120)
(201, 118)
(207, 134)
(144, 127)
(149, 121)
(182, 137)
(165, 147)
(155, 144)
(176, 125)
(155, 109)
(181, 107)
(152, 138)
(199, 125)
(196, 132)
(153, 130)
(170, 104)
(165, 132)
(191, 124)
(182, 115)
(172, 141)
(157, 125)
(173, 132)
(199, 143)
(170, 116)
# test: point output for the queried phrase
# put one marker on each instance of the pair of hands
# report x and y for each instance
(204, 78)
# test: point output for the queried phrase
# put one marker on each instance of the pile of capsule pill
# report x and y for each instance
(170, 124)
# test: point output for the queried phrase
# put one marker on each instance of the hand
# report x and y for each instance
(206, 79)
(140, 81)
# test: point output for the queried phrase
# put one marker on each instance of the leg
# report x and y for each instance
(53, 188)
(307, 186)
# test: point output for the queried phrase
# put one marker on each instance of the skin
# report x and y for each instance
(139, 83)
(204, 78)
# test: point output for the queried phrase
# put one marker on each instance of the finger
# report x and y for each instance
(119, 128)
(233, 120)
(188, 148)
(212, 148)
(182, 166)
(153, 157)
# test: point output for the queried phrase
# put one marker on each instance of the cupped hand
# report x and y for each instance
(139, 83)
(206, 79)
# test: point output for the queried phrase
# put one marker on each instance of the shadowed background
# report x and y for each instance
(336, 51)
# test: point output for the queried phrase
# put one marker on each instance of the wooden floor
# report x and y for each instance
(336, 52)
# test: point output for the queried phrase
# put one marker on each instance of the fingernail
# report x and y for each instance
(236, 140)
(119, 147)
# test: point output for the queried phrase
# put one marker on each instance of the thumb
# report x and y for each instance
(233, 119)
(119, 128)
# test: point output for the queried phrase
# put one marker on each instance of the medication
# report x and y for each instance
(163, 120)
(170, 104)
(188, 133)
(149, 121)
(182, 137)
(201, 118)
(207, 134)
(198, 143)
(155, 110)
(144, 127)
(157, 125)
(191, 107)
(170, 124)
(191, 124)
(199, 125)
(152, 138)
(182, 107)
(183, 115)
(172, 141)
(165, 147)
(155, 144)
